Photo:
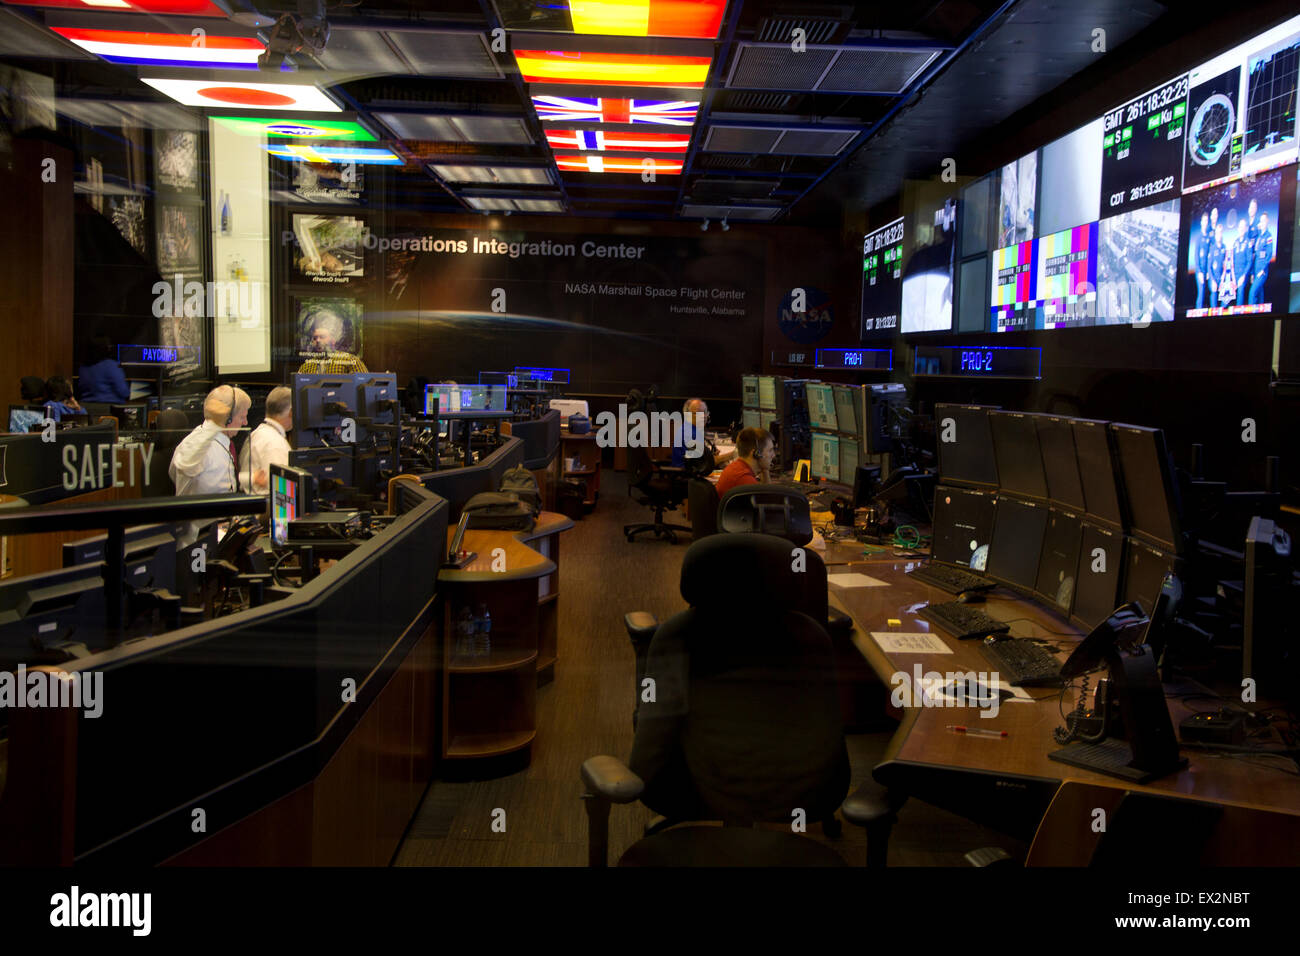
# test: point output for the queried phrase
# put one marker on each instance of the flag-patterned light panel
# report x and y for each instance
(605, 163)
(601, 109)
(132, 47)
(613, 69)
(602, 141)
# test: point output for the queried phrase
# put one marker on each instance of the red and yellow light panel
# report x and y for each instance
(180, 8)
(597, 163)
(167, 49)
(603, 141)
(613, 69)
(656, 18)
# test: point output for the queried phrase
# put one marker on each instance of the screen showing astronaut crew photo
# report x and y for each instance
(1228, 253)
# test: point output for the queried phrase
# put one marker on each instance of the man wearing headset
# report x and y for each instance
(204, 462)
(268, 444)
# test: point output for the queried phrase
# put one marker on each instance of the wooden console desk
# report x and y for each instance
(490, 706)
(1010, 783)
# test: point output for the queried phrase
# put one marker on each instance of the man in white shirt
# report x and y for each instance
(268, 445)
(204, 461)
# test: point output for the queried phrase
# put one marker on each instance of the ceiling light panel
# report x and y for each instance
(250, 96)
(457, 129)
(179, 8)
(598, 163)
(298, 129)
(613, 69)
(308, 153)
(135, 48)
(655, 18)
(504, 175)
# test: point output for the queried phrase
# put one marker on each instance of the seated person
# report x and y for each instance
(268, 444)
(326, 332)
(59, 400)
(204, 462)
(695, 415)
(102, 379)
(755, 450)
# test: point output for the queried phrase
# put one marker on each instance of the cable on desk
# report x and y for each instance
(907, 540)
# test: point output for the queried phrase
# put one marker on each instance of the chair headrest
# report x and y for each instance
(32, 387)
(172, 419)
(722, 568)
(767, 509)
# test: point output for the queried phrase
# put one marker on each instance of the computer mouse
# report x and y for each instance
(971, 597)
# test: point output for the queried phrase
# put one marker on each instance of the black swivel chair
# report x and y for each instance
(172, 427)
(703, 497)
(744, 726)
(661, 487)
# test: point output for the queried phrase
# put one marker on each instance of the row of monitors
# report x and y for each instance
(759, 392)
(831, 408)
(1072, 564)
(835, 457)
(465, 398)
(1119, 475)
(321, 402)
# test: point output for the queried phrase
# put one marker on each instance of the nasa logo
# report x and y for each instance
(810, 325)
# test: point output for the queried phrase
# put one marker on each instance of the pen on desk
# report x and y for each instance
(976, 731)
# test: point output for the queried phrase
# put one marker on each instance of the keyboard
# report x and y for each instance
(1024, 663)
(962, 620)
(952, 580)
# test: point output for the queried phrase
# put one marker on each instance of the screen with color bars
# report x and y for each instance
(284, 506)
(1013, 285)
(1067, 274)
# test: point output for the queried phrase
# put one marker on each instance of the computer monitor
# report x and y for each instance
(749, 391)
(149, 552)
(825, 456)
(508, 379)
(1060, 462)
(130, 417)
(751, 418)
(320, 403)
(821, 407)
(1017, 542)
(293, 494)
(963, 522)
(39, 612)
(1097, 472)
(1148, 481)
(465, 398)
(846, 413)
(326, 465)
(373, 392)
(767, 393)
(570, 406)
(22, 418)
(547, 376)
(1096, 582)
(878, 416)
(1059, 561)
(1269, 652)
(1017, 455)
(850, 457)
(965, 445)
(1145, 568)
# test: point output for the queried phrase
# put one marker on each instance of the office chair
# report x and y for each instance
(661, 487)
(744, 726)
(703, 498)
(172, 427)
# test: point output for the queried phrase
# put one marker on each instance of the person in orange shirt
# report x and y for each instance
(755, 450)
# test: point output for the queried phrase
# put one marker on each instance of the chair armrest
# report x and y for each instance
(671, 470)
(867, 805)
(641, 626)
(610, 778)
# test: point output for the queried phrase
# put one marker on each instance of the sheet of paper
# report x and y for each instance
(854, 580)
(818, 543)
(910, 642)
(947, 692)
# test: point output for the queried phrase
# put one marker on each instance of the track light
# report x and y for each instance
(704, 226)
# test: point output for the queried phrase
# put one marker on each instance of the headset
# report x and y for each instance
(231, 417)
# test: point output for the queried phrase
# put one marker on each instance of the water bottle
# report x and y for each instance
(484, 642)
(464, 634)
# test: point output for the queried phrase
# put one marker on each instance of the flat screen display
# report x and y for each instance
(1137, 265)
(1097, 470)
(965, 445)
(1228, 253)
(1096, 582)
(1059, 561)
(767, 393)
(928, 272)
(1013, 280)
(882, 280)
(749, 391)
(1060, 464)
(1071, 180)
(1016, 452)
(846, 415)
(975, 221)
(1066, 267)
(284, 505)
(1148, 484)
(825, 457)
(963, 522)
(1145, 568)
(973, 295)
(751, 418)
(1018, 528)
(849, 456)
(1017, 192)
(821, 407)
(1142, 148)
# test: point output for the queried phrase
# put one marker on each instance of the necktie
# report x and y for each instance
(234, 461)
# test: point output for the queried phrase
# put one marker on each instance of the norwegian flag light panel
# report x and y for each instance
(600, 109)
(601, 141)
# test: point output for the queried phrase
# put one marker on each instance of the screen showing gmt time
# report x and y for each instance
(1142, 149)
(882, 275)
